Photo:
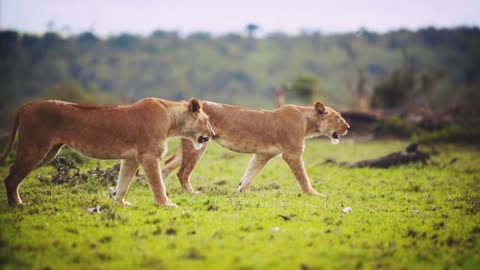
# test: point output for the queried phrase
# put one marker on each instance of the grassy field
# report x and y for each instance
(412, 217)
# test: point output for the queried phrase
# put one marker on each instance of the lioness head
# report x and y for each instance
(196, 124)
(330, 123)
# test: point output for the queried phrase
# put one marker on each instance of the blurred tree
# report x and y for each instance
(304, 87)
(50, 26)
(200, 36)
(231, 37)
(345, 42)
(251, 29)
(124, 42)
(158, 34)
(51, 39)
(8, 42)
(88, 39)
(32, 46)
(432, 37)
(250, 43)
(70, 91)
(392, 91)
(370, 36)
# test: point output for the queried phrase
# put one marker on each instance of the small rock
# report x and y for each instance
(220, 183)
(158, 231)
(415, 211)
(286, 217)
(330, 161)
(275, 229)
(94, 210)
(171, 231)
(347, 209)
(112, 192)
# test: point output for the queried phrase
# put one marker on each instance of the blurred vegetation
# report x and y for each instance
(394, 90)
(450, 134)
(304, 88)
(395, 126)
(72, 91)
(430, 67)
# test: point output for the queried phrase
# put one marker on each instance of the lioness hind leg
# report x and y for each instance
(51, 155)
(172, 163)
(12, 182)
(257, 162)
(190, 158)
(128, 168)
(28, 158)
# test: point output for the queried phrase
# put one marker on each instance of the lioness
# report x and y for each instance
(264, 133)
(136, 134)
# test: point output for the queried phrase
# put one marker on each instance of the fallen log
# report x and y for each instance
(411, 154)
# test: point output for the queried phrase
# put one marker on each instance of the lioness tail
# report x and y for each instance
(11, 138)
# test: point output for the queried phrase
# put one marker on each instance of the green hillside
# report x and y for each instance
(236, 68)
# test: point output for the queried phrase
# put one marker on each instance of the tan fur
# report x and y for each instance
(136, 133)
(264, 133)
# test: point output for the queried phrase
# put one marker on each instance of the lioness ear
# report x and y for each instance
(194, 105)
(319, 107)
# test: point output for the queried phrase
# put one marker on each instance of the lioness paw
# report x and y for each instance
(169, 205)
(18, 204)
(124, 203)
(315, 193)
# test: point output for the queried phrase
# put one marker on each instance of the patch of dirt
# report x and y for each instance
(67, 172)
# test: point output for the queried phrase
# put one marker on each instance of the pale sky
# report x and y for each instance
(107, 17)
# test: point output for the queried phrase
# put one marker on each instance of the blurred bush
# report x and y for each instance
(304, 88)
(400, 128)
(450, 134)
(392, 92)
(72, 91)
(394, 127)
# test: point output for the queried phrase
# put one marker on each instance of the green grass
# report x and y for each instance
(412, 217)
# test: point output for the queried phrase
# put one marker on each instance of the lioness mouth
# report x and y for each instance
(203, 139)
(335, 138)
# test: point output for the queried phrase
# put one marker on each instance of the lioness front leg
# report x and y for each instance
(295, 162)
(257, 163)
(151, 167)
(128, 168)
